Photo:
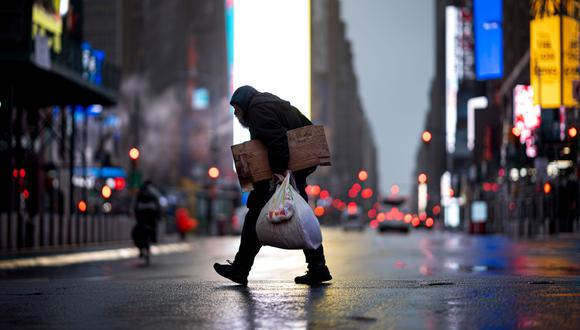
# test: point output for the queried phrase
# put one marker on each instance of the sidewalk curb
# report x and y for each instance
(95, 255)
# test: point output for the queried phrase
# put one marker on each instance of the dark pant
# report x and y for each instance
(250, 245)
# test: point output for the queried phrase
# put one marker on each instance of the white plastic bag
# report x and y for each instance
(301, 231)
(281, 204)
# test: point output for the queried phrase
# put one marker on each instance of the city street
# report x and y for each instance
(426, 279)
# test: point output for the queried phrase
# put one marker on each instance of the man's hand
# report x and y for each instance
(279, 177)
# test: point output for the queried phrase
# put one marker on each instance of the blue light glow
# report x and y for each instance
(488, 28)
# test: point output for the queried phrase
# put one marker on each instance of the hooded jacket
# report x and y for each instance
(269, 118)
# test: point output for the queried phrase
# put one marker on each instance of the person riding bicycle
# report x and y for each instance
(147, 212)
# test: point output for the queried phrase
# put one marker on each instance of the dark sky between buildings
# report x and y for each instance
(393, 48)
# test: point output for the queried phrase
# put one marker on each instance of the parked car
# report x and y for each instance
(396, 226)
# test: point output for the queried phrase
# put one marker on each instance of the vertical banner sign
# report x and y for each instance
(451, 76)
(554, 54)
(545, 59)
(488, 28)
(570, 57)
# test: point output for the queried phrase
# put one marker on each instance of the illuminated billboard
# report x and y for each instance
(488, 26)
(554, 54)
(570, 58)
(271, 51)
(527, 117)
(545, 67)
(451, 76)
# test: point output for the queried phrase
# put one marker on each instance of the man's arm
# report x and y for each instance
(268, 129)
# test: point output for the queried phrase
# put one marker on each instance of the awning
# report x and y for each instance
(34, 86)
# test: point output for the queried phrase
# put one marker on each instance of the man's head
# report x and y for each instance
(241, 115)
(241, 102)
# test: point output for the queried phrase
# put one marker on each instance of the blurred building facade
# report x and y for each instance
(51, 80)
(174, 96)
(513, 167)
(336, 104)
(85, 83)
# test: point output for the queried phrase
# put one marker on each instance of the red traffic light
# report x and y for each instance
(134, 153)
(426, 136)
(422, 178)
(572, 132)
(82, 205)
(547, 188)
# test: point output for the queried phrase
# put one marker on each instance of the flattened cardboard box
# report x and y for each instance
(307, 146)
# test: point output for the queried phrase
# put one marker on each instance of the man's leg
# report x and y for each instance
(315, 257)
(249, 243)
(249, 247)
(317, 270)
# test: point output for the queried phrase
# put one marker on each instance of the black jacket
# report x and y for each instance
(269, 118)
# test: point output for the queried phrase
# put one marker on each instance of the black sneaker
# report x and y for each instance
(231, 273)
(314, 276)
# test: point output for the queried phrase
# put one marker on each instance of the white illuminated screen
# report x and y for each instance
(452, 80)
(272, 51)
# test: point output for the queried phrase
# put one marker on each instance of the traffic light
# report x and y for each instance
(422, 178)
(547, 188)
(134, 153)
(572, 132)
(106, 192)
(363, 175)
(426, 136)
(213, 172)
(82, 206)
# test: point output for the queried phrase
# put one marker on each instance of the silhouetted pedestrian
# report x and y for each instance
(268, 118)
(147, 213)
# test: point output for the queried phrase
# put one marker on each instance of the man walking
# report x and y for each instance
(147, 210)
(268, 117)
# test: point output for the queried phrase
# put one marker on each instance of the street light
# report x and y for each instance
(106, 191)
(134, 153)
(363, 175)
(213, 172)
(426, 136)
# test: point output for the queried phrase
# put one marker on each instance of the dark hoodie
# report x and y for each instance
(268, 118)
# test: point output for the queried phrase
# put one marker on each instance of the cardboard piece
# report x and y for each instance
(307, 146)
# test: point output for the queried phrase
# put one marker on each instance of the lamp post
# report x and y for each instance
(213, 173)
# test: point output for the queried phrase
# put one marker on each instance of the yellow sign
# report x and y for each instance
(570, 58)
(48, 24)
(545, 59)
(554, 52)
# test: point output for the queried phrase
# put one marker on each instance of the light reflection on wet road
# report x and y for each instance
(423, 280)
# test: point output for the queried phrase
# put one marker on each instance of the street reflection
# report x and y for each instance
(273, 305)
(458, 253)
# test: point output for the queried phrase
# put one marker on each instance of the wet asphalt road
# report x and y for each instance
(424, 280)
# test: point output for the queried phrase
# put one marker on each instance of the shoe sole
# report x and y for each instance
(313, 282)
